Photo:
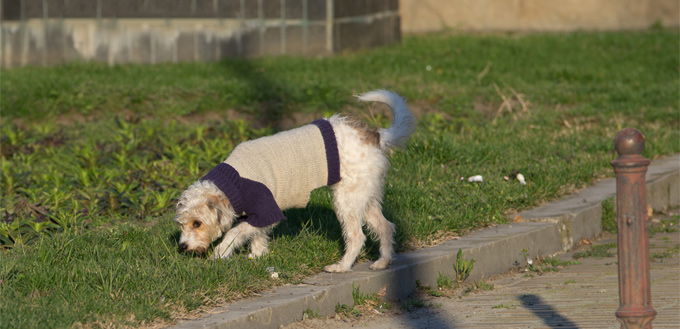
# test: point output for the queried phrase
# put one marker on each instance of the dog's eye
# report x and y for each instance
(197, 224)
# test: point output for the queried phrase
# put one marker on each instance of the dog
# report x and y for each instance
(242, 198)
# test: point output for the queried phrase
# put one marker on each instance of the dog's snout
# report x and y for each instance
(183, 246)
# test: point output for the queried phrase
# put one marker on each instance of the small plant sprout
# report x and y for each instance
(310, 313)
(463, 267)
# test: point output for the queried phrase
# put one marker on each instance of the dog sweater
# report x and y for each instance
(263, 176)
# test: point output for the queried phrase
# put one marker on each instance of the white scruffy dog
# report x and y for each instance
(205, 212)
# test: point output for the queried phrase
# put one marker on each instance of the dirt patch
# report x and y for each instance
(488, 109)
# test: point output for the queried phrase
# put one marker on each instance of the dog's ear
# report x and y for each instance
(225, 214)
(216, 201)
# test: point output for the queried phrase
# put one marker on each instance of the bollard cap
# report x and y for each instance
(629, 141)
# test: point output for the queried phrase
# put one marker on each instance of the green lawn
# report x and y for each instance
(93, 157)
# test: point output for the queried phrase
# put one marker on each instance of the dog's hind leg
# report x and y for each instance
(350, 212)
(384, 231)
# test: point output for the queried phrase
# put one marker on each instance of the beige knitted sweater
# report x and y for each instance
(290, 164)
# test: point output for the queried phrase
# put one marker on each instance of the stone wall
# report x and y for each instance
(536, 15)
(44, 32)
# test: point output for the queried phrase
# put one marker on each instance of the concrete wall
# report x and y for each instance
(44, 32)
(536, 15)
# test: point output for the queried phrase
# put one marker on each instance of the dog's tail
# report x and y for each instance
(404, 123)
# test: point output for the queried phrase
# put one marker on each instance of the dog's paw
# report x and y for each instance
(336, 268)
(380, 264)
(255, 256)
(217, 255)
(257, 253)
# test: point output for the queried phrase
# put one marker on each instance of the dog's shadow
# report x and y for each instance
(321, 219)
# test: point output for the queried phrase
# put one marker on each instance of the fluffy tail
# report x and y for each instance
(404, 123)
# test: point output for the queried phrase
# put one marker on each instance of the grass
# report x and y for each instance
(666, 253)
(93, 157)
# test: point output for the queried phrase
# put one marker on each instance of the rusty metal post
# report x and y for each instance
(635, 298)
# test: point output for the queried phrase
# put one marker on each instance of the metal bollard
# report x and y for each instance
(635, 298)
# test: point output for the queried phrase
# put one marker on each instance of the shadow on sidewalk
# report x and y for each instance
(545, 312)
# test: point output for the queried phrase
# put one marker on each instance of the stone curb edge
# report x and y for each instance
(546, 230)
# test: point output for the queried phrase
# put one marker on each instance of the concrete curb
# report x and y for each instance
(551, 228)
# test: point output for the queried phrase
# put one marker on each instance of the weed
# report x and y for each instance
(445, 282)
(348, 310)
(557, 262)
(530, 262)
(664, 226)
(430, 291)
(506, 306)
(599, 250)
(550, 264)
(412, 304)
(570, 281)
(463, 267)
(364, 302)
(359, 297)
(609, 215)
(478, 286)
(666, 253)
(310, 314)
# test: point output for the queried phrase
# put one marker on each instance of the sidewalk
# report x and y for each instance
(578, 296)
(543, 231)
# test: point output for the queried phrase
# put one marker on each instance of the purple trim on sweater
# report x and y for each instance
(246, 196)
(331, 145)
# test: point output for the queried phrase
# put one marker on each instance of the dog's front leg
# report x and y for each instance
(234, 239)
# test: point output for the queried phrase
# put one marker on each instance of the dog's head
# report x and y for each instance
(203, 215)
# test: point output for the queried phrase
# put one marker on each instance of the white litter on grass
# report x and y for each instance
(477, 178)
(521, 180)
(273, 275)
(429, 68)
